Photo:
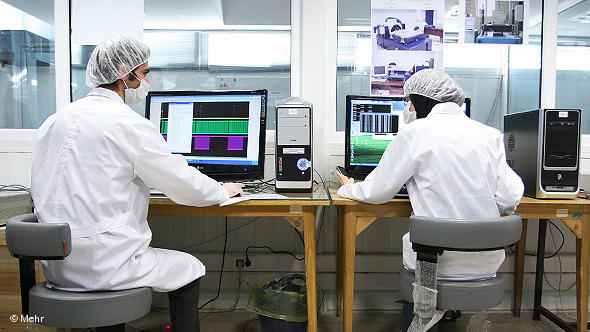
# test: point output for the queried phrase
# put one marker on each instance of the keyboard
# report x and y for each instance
(402, 193)
(258, 188)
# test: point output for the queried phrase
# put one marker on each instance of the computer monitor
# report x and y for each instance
(221, 133)
(371, 123)
(378, 70)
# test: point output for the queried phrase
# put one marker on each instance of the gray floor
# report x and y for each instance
(363, 321)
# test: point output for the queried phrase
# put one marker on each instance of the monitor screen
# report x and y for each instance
(221, 133)
(379, 70)
(371, 123)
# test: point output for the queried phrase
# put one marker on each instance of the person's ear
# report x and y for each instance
(131, 76)
(129, 80)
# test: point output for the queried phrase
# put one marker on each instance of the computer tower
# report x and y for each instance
(293, 152)
(543, 148)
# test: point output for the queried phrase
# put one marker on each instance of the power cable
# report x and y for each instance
(235, 305)
(323, 210)
(247, 263)
(219, 236)
(551, 255)
(300, 237)
(221, 272)
(559, 290)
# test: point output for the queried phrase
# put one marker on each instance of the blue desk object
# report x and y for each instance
(506, 38)
(390, 44)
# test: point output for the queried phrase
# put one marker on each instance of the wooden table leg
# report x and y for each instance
(349, 236)
(519, 269)
(339, 259)
(310, 266)
(582, 259)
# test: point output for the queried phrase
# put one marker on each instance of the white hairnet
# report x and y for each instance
(113, 59)
(435, 85)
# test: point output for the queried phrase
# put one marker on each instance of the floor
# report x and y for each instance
(243, 321)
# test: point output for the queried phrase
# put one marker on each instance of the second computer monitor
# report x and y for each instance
(371, 123)
(221, 133)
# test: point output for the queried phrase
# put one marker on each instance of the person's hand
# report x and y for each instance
(344, 179)
(233, 189)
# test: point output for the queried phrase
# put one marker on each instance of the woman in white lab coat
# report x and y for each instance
(94, 162)
(453, 167)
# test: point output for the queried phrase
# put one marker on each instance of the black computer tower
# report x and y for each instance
(543, 148)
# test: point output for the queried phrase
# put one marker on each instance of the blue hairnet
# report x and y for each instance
(434, 85)
(113, 59)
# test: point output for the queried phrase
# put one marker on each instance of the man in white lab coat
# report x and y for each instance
(94, 162)
(453, 167)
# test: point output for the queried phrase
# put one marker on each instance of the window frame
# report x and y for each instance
(302, 44)
(21, 140)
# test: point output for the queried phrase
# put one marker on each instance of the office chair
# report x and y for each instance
(430, 236)
(28, 241)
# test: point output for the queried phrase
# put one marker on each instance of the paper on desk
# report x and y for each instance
(234, 200)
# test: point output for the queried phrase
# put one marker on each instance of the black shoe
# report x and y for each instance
(451, 315)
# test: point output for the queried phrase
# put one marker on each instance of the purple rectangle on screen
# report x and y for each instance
(202, 143)
(235, 143)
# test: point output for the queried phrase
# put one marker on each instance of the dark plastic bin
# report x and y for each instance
(269, 324)
(281, 304)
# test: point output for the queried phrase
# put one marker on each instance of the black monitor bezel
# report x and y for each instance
(360, 172)
(226, 172)
(467, 103)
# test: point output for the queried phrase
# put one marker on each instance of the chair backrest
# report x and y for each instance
(466, 234)
(26, 238)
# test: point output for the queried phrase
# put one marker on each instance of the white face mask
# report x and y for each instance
(408, 115)
(136, 95)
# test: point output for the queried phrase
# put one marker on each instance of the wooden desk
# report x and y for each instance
(575, 214)
(299, 210)
(354, 217)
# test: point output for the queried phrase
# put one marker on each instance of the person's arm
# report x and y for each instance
(395, 168)
(157, 168)
(509, 186)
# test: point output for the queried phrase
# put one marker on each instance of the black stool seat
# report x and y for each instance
(88, 309)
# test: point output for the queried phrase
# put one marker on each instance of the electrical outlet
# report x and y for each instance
(239, 263)
(226, 82)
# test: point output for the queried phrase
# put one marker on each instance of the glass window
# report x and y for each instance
(573, 53)
(27, 66)
(205, 45)
(499, 79)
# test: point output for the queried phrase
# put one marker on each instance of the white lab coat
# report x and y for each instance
(454, 167)
(93, 164)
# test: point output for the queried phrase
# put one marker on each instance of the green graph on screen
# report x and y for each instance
(366, 149)
(214, 127)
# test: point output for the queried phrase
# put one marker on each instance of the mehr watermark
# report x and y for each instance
(26, 319)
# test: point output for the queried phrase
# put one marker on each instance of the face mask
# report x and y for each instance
(136, 95)
(408, 115)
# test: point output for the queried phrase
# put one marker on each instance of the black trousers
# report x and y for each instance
(184, 307)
